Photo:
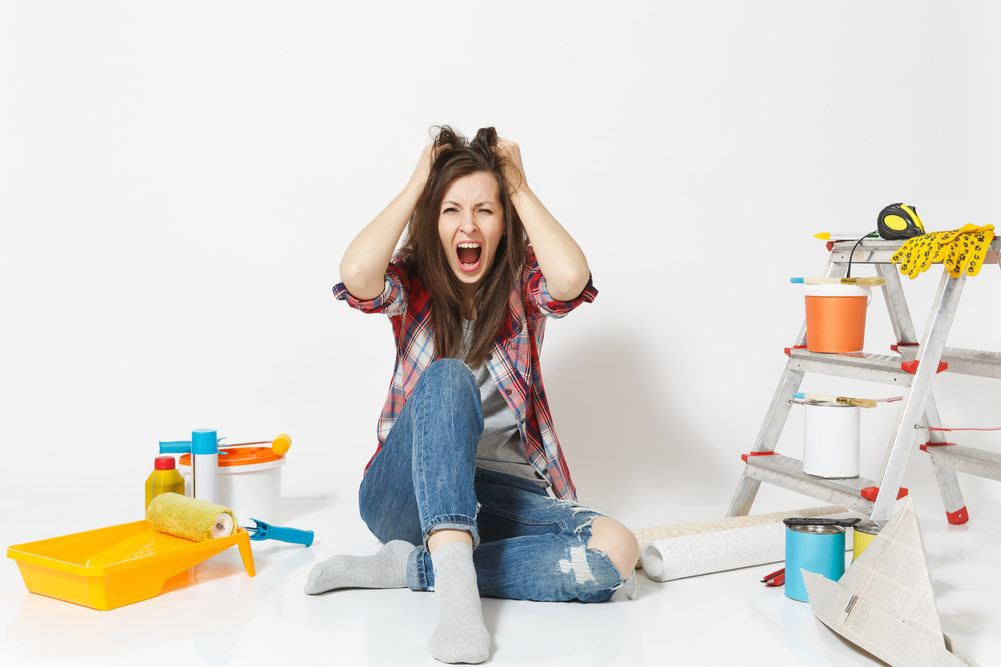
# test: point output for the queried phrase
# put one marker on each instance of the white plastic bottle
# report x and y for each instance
(205, 465)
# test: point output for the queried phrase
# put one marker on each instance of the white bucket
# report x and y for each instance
(831, 442)
(250, 482)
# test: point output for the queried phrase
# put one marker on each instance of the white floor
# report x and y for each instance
(224, 617)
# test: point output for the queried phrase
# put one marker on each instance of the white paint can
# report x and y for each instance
(831, 442)
(250, 482)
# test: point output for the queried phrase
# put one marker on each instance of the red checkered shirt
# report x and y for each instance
(513, 363)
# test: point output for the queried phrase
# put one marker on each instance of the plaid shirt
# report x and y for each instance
(513, 363)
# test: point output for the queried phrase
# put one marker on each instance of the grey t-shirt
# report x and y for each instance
(500, 448)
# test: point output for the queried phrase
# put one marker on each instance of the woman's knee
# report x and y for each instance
(452, 374)
(450, 384)
(389, 520)
(615, 541)
(447, 370)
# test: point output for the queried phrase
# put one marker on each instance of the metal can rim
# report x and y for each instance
(817, 530)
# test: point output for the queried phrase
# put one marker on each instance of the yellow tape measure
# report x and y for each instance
(899, 221)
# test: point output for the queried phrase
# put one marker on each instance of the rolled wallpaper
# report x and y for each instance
(702, 547)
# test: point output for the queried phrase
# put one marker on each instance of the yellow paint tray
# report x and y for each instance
(115, 566)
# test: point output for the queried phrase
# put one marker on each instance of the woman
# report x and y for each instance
(457, 489)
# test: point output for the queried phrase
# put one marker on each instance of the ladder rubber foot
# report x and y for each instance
(958, 517)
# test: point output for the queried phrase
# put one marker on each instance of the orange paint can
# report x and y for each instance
(835, 317)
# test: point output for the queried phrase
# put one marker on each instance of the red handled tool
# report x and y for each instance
(777, 578)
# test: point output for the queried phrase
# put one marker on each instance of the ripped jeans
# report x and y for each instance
(527, 546)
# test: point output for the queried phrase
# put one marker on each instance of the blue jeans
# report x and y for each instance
(527, 546)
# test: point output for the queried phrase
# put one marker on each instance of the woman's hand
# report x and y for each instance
(363, 267)
(514, 171)
(560, 258)
(423, 168)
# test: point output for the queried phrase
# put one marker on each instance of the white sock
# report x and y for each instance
(460, 635)
(385, 569)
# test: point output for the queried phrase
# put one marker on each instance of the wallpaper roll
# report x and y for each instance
(690, 549)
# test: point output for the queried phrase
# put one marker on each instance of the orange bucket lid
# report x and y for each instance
(240, 456)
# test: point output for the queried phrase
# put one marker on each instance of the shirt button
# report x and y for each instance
(507, 391)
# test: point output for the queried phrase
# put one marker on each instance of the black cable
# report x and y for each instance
(852, 254)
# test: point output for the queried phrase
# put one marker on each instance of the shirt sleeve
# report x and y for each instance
(537, 296)
(393, 299)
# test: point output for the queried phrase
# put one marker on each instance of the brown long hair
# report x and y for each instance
(455, 157)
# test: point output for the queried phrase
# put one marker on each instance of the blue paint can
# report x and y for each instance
(819, 549)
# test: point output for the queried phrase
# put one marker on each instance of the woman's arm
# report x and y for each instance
(560, 258)
(363, 267)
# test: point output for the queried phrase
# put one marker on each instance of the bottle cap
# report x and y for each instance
(203, 441)
(163, 463)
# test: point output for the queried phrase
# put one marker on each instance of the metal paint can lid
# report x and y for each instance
(867, 528)
(818, 530)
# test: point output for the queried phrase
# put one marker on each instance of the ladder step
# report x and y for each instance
(962, 362)
(788, 473)
(878, 251)
(883, 368)
(965, 459)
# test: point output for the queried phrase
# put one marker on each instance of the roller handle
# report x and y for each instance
(175, 447)
(264, 531)
(180, 446)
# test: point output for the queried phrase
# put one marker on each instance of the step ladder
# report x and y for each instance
(913, 367)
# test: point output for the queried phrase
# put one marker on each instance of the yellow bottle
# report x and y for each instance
(163, 479)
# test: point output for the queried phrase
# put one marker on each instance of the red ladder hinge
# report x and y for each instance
(870, 493)
(912, 366)
(924, 447)
(743, 457)
(787, 350)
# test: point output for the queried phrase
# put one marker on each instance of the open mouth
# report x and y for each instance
(468, 253)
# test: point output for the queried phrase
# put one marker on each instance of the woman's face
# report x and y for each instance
(471, 225)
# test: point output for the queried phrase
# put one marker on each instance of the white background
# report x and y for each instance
(179, 180)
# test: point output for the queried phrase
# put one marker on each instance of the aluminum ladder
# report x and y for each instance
(913, 367)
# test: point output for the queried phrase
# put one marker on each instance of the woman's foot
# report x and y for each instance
(385, 569)
(460, 635)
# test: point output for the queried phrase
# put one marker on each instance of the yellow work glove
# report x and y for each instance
(959, 250)
(918, 253)
(967, 249)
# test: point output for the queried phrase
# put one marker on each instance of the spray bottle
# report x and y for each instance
(204, 448)
(205, 465)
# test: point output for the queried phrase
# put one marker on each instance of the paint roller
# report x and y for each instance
(199, 521)
(280, 445)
